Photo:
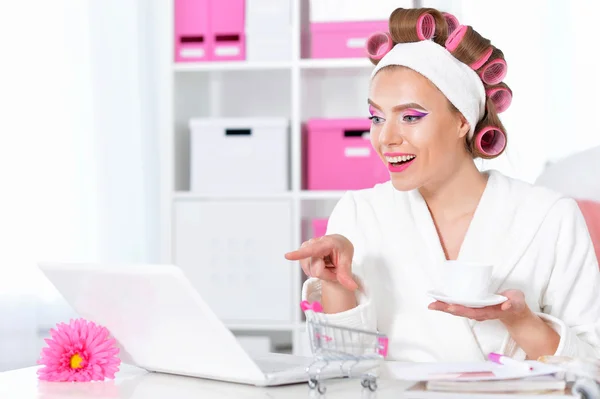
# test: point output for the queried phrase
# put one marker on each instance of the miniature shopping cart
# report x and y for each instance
(347, 347)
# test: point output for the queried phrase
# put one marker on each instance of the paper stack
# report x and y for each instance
(481, 380)
(537, 387)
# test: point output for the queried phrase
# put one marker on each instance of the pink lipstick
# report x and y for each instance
(400, 166)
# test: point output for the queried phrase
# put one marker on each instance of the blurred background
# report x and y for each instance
(219, 134)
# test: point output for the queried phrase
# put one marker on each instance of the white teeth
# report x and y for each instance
(402, 158)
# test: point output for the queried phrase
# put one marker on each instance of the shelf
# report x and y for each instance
(296, 88)
(341, 63)
(265, 327)
(334, 63)
(186, 195)
(321, 195)
(230, 66)
(305, 195)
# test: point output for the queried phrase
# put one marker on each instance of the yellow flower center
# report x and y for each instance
(76, 361)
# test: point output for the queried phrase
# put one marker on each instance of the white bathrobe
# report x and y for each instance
(536, 239)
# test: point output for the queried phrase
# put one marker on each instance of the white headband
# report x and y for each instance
(456, 80)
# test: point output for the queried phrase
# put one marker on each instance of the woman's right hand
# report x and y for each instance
(328, 258)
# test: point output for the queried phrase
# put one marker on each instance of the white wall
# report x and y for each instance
(79, 152)
(549, 47)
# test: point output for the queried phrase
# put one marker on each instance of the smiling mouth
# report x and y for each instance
(399, 160)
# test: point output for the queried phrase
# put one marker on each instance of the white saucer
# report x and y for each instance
(490, 300)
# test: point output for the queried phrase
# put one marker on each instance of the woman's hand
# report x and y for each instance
(527, 329)
(509, 312)
(328, 258)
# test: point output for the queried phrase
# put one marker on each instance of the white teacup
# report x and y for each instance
(466, 280)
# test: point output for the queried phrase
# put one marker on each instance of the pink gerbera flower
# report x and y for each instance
(79, 351)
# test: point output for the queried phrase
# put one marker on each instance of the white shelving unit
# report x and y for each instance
(298, 89)
(230, 66)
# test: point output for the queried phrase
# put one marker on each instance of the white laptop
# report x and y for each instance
(162, 324)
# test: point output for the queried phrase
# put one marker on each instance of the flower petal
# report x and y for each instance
(49, 353)
(101, 347)
(54, 345)
(100, 335)
(110, 352)
(62, 338)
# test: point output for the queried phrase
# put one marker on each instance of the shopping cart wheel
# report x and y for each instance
(312, 383)
(373, 385)
(321, 388)
(369, 382)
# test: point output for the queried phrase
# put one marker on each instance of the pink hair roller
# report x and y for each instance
(452, 22)
(490, 141)
(379, 44)
(494, 72)
(425, 27)
(483, 59)
(501, 97)
(455, 38)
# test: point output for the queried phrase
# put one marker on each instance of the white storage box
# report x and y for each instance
(268, 30)
(232, 252)
(239, 155)
(269, 46)
(358, 11)
(268, 15)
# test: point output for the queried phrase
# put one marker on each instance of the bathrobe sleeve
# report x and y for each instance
(571, 301)
(343, 221)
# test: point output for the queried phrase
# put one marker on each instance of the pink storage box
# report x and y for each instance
(340, 156)
(319, 227)
(342, 39)
(192, 41)
(228, 29)
(210, 30)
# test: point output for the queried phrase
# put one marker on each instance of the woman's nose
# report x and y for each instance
(390, 135)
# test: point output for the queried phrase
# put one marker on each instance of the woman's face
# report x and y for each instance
(414, 130)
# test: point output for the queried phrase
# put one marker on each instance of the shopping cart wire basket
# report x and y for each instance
(337, 345)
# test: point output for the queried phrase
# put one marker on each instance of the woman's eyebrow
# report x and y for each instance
(399, 107)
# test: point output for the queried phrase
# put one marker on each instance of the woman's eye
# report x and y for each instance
(376, 119)
(411, 118)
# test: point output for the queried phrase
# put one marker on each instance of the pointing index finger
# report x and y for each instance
(317, 249)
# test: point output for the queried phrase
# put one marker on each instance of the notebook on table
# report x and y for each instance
(481, 380)
(535, 388)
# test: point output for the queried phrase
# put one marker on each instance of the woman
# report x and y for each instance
(434, 100)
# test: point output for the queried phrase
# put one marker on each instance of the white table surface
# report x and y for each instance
(135, 383)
